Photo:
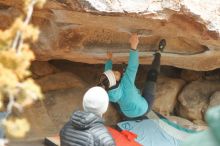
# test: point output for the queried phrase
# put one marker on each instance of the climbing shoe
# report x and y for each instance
(162, 45)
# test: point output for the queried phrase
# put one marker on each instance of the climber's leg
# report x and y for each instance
(150, 84)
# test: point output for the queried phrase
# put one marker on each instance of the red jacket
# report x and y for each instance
(123, 138)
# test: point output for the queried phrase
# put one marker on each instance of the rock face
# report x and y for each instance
(42, 68)
(186, 123)
(166, 95)
(63, 95)
(194, 99)
(84, 30)
(60, 80)
(189, 75)
(215, 99)
(64, 91)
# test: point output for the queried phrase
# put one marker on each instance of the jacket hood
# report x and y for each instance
(85, 120)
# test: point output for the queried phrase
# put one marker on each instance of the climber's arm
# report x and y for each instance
(133, 61)
(108, 63)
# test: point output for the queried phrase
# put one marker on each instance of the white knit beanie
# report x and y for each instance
(96, 101)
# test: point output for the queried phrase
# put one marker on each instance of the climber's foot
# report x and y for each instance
(162, 45)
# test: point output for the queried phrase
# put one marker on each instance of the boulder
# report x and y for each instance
(62, 103)
(60, 80)
(41, 123)
(213, 75)
(190, 75)
(48, 116)
(194, 98)
(186, 123)
(215, 99)
(42, 68)
(166, 94)
(112, 116)
(84, 30)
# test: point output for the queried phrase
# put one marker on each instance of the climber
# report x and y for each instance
(152, 129)
(86, 128)
(121, 86)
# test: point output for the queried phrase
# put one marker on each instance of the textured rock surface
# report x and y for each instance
(47, 117)
(166, 96)
(41, 124)
(42, 68)
(60, 80)
(213, 75)
(189, 75)
(84, 30)
(61, 103)
(194, 98)
(186, 123)
(215, 99)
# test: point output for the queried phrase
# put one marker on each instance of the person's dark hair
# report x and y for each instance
(104, 82)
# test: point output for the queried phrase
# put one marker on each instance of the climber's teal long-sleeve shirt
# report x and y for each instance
(128, 97)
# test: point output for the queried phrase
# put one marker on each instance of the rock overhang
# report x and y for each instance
(85, 30)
